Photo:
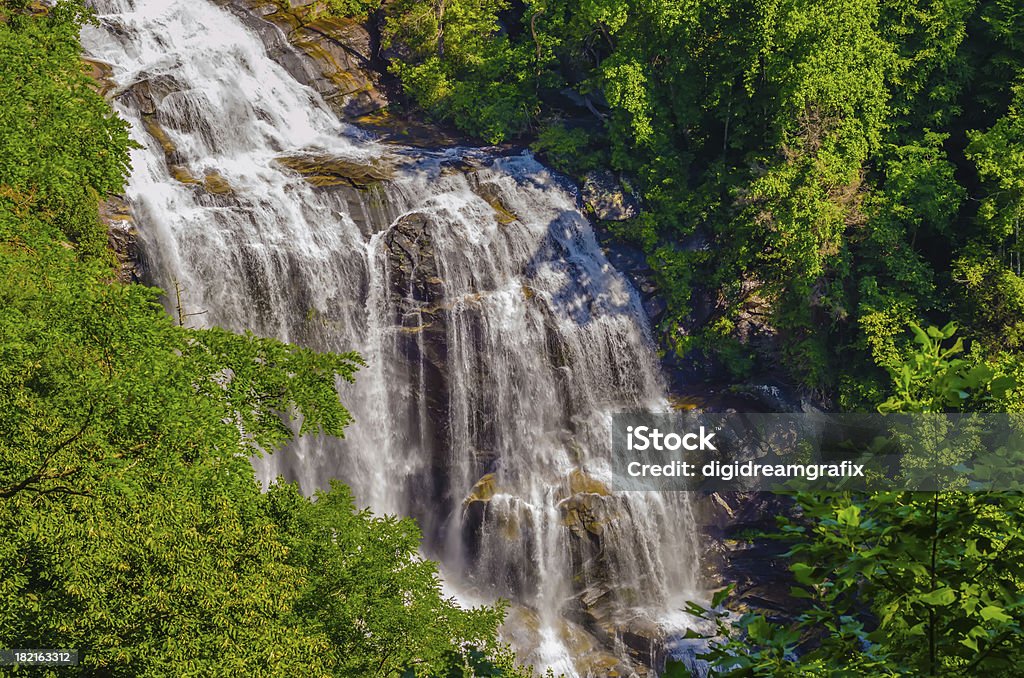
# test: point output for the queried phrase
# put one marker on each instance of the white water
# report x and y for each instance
(510, 363)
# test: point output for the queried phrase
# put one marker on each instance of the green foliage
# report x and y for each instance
(355, 8)
(933, 379)
(458, 66)
(566, 149)
(60, 144)
(385, 607)
(898, 583)
(998, 154)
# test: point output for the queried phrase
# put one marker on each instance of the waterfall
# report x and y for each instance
(498, 338)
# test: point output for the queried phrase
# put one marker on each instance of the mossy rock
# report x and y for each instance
(492, 196)
(399, 128)
(584, 513)
(183, 175)
(115, 209)
(325, 171)
(215, 183)
(161, 136)
(484, 490)
(581, 483)
(416, 329)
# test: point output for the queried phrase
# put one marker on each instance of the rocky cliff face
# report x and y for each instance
(342, 68)
(340, 59)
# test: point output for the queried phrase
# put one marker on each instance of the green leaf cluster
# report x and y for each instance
(898, 583)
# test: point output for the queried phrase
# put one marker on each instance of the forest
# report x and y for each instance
(831, 193)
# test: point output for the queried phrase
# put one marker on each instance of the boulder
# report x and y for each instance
(605, 197)
(148, 93)
(644, 642)
(324, 171)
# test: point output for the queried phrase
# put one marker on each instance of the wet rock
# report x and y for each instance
(102, 74)
(148, 93)
(585, 515)
(645, 642)
(734, 554)
(492, 196)
(489, 524)
(160, 134)
(341, 63)
(325, 171)
(212, 181)
(483, 490)
(524, 626)
(606, 198)
(183, 175)
(582, 483)
(122, 238)
(415, 279)
(416, 294)
(638, 642)
(216, 184)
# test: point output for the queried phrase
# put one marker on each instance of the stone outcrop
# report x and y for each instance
(122, 238)
(146, 96)
(754, 565)
(340, 59)
(591, 657)
(607, 199)
(342, 68)
(115, 212)
(417, 298)
(327, 171)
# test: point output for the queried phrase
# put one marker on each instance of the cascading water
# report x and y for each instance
(498, 338)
